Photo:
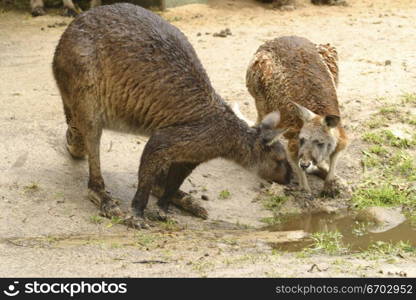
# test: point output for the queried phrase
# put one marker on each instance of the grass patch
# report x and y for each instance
(274, 202)
(408, 98)
(327, 242)
(146, 240)
(385, 195)
(170, 225)
(387, 138)
(382, 249)
(403, 164)
(391, 167)
(370, 161)
(376, 121)
(225, 194)
(96, 220)
(114, 221)
(379, 150)
(389, 113)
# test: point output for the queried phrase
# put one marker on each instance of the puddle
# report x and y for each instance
(357, 234)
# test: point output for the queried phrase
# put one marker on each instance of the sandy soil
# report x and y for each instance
(46, 226)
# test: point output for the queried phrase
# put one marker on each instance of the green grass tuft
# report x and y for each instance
(225, 194)
(327, 242)
(408, 98)
(384, 195)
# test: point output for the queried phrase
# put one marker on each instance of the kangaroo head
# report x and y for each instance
(272, 164)
(317, 138)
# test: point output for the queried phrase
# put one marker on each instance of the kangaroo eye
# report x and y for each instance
(302, 141)
(320, 145)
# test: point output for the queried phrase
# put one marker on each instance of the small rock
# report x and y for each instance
(387, 62)
(223, 33)
(198, 34)
(385, 218)
(204, 197)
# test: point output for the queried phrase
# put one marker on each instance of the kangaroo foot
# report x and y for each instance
(185, 202)
(38, 11)
(109, 207)
(137, 222)
(69, 12)
(157, 214)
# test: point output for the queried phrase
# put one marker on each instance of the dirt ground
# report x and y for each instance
(49, 228)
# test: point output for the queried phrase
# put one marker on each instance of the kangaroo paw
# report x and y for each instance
(109, 207)
(137, 222)
(38, 11)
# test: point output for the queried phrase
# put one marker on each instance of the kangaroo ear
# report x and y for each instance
(332, 121)
(271, 120)
(305, 114)
(269, 137)
(269, 132)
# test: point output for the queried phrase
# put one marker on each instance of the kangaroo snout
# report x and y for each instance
(304, 165)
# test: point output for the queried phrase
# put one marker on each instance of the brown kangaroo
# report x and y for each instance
(124, 68)
(299, 78)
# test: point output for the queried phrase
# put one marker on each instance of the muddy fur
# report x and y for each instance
(299, 78)
(124, 68)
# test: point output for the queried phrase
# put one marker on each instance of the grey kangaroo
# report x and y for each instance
(124, 68)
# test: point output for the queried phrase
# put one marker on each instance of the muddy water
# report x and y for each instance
(357, 235)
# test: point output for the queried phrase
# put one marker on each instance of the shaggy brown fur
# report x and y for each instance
(124, 68)
(291, 70)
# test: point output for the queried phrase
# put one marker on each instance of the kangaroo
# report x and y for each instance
(299, 79)
(124, 68)
(70, 9)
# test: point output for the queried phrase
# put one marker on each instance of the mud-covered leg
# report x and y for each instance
(301, 174)
(331, 189)
(153, 164)
(180, 199)
(162, 147)
(147, 176)
(176, 176)
(96, 187)
(75, 143)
